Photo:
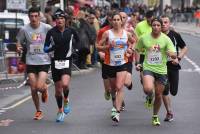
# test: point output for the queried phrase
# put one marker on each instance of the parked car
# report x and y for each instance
(10, 23)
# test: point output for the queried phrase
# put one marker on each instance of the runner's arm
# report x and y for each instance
(20, 40)
(102, 46)
(48, 45)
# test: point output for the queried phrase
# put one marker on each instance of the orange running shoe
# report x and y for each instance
(38, 115)
(45, 96)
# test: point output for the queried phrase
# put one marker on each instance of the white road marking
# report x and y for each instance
(20, 102)
(196, 67)
(17, 104)
(2, 111)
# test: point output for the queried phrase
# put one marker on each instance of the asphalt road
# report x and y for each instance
(91, 113)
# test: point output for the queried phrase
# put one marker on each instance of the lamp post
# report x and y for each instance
(62, 4)
(161, 7)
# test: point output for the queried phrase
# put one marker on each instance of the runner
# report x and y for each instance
(128, 81)
(156, 46)
(142, 28)
(173, 66)
(33, 37)
(114, 44)
(59, 44)
(106, 81)
(130, 29)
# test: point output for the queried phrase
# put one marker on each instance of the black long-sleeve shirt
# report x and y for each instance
(61, 43)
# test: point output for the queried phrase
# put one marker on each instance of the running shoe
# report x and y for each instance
(115, 116)
(107, 95)
(169, 117)
(123, 106)
(155, 120)
(66, 107)
(149, 102)
(38, 115)
(60, 117)
(45, 96)
(113, 112)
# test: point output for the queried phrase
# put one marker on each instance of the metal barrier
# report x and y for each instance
(5, 65)
(3, 69)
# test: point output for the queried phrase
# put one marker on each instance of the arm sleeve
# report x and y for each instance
(48, 46)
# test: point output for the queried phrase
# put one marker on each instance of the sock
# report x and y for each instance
(113, 94)
(59, 100)
(66, 93)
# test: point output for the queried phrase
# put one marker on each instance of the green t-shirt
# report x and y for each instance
(142, 28)
(155, 51)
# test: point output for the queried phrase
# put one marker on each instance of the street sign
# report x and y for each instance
(16, 4)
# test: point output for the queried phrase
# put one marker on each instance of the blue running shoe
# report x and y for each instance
(60, 117)
(66, 107)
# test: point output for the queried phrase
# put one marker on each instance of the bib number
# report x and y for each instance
(61, 64)
(117, 57)
(154, 58)
(36, 48)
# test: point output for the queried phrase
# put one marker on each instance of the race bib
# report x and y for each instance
(154, 58)
(36, 48)
(61, 64)
(117, 57)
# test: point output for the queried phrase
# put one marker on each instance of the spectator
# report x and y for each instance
(197, 17)
(84, 30)
(48, 15)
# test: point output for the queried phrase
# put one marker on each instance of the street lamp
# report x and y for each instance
(161, 7)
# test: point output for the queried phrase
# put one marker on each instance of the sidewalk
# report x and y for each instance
(190, 28)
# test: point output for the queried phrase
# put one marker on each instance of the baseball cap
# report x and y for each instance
(59, 13)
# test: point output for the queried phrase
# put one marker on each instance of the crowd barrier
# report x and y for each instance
(10, 64)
